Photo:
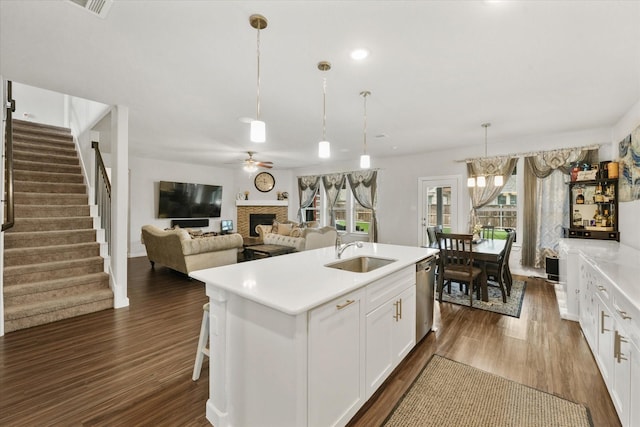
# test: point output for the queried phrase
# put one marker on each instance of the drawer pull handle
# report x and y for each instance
(617, 347)
(398, 314)
(602, 288)
(348, 303)
(623, 314)
(602, 328)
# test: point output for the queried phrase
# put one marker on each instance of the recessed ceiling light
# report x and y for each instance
(359, 54)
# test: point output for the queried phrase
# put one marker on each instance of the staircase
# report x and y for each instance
(52, 264)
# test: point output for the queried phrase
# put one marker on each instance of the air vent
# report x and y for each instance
(96, 7)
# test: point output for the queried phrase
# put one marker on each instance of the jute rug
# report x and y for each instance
(448, 393)
(512, 307)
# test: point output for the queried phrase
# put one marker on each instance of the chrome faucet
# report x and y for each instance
(341, 247)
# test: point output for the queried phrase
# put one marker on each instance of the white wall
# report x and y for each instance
(39, 105)
(143, 205)
(629, 212)
(398, 177)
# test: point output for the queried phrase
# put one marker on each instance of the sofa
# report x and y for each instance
(178, 250)
(301, 239)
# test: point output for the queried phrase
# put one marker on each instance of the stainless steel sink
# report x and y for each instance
(361, 264)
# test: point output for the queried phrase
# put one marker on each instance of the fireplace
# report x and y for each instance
(275, 209)
(259, 219)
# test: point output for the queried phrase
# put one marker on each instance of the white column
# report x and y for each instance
(119, 203)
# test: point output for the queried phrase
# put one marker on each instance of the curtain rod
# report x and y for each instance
(333, 173)
(532, 153)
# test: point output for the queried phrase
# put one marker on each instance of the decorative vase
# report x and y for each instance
(476, 237)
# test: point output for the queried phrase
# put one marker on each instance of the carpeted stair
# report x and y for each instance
(52, 264)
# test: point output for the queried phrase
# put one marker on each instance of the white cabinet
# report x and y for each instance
(588, 304)
(390, 336)
(610, 324)
(336, 360)
(604, 341)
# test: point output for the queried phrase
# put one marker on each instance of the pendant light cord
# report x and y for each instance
(258, 85)
(324, 108)
(364, 95)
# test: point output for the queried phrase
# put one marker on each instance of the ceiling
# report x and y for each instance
(437, 70)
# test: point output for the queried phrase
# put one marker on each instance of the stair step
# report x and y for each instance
(45, 158)
(51, 224)
(42, 147)
(30, 129)
(34, 239)
(25, 165)
(26, 293)
(27, 256)
(18, 274)
(39, 127)
(51, 211)
(48, 177)
(65, 142)
(21, 198)
(48, 187)
(39, 313)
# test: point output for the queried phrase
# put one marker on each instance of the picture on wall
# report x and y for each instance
(629, 158)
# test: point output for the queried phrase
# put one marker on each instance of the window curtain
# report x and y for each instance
(481, 196)
(364, 186)
(333, 183)
(307, 190)
(545, 204)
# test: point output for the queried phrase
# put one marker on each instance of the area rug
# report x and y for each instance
(448, 393)
(512, 307)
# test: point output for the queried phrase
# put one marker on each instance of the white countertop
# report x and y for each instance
(298, 282)
(620, 264)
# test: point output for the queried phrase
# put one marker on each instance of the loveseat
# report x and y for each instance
(302, 239)
(178, 250)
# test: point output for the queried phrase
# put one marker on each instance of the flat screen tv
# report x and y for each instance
(182, 200)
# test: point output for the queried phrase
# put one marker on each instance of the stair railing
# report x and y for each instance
(10, 107)
(102, 194)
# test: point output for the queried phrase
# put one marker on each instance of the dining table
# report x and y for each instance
(488, 251)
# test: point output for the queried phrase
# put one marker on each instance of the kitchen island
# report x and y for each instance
(295, 342)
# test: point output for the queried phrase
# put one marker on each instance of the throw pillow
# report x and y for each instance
(296, 232)
(284, 229)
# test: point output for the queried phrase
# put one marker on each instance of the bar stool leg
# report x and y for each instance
(202, 343)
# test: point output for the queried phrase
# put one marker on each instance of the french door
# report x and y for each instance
(439, 199)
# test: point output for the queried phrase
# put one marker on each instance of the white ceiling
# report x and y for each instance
(437, 70)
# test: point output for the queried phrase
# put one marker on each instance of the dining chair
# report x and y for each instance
(488, 232)
(456, 255)
(431, 234)
(499, 270)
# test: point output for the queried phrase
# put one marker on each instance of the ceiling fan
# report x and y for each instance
(252, 164)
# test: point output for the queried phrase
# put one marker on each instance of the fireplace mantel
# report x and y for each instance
(262, 203)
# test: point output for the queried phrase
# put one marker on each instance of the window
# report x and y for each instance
(502, 212)
(350, 216)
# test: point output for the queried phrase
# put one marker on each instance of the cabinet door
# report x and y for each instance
(380, 350)
(604, 351)
(336, 361)
(404, 336)
(634, 361)
(621, 391)
(391, 334)
(588, 305)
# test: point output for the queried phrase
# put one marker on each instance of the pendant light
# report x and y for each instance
(258, 127)
(481, 180)
(365, 160)
(324, 147)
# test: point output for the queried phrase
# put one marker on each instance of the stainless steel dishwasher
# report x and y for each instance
(425, 282)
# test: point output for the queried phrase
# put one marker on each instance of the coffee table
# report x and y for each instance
(267, 250)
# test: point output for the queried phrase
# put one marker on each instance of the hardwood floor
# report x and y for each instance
(132, 366)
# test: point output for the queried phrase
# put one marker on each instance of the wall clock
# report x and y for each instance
(264, 182)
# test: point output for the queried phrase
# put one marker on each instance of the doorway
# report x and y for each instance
(439, 201)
